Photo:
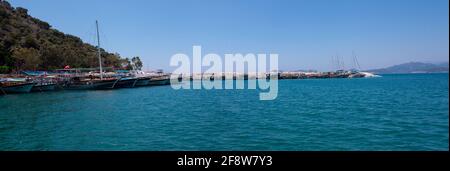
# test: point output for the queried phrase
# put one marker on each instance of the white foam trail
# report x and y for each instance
(369, 75)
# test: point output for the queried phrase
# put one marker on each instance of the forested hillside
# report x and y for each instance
(27, 43)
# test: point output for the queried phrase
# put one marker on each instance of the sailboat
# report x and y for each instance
(134, 79)
(126, 82)
(10, 85)
(143, 81)
(161, 79)
(91, 82)
(43, 86)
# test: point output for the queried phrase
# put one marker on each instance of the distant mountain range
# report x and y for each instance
(413, 67)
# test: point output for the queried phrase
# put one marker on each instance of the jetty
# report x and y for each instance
(277, 75)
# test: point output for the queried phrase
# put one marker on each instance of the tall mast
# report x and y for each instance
(355, 58)
(338, 62)
(99, 52)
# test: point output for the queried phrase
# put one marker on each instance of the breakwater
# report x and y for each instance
(276, 75)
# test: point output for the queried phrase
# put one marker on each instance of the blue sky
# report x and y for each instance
(305, 34)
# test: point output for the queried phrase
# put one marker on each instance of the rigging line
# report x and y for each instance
(356, 60)
(353, 60)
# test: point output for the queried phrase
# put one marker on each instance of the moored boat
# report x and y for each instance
(93, 83)
(43, 83)
(78, 83)
(142, 81)
(126, 82)
(159, 81)
(15, 87)
(43, 87)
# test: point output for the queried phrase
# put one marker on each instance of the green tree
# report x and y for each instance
(126, 64)
(137, 63)
(22, 11)
(51, 55)
(30, 42)
(26, 58)
(4, 69)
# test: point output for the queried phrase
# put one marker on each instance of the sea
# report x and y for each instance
(397, 112)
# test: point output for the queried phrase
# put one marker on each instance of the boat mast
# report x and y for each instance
(99, 52)
(355, 59)
(338, 62)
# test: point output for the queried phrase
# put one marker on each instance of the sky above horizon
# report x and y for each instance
(305, 34)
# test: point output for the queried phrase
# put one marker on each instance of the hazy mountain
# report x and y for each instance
(442, 64)
(413, 67)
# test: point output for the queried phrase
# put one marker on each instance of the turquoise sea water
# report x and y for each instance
(394, 112)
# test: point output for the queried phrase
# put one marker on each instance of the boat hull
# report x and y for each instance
(48, 87)
(126, 83)
(159, 82)
(143, 82)
(19, 88)
(92, 85)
